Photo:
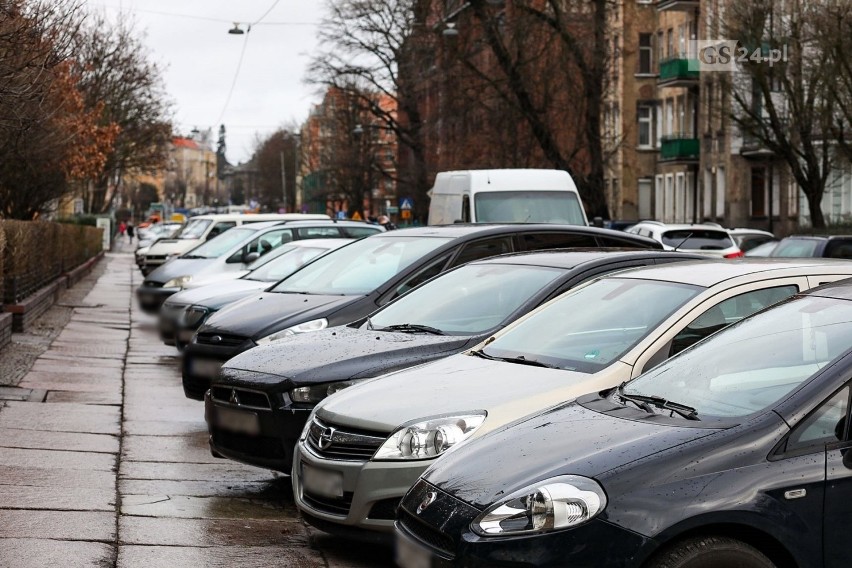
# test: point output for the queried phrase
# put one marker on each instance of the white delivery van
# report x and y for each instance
(505, 196)
(204, 227)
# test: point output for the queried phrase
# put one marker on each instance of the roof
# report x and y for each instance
(180, 142)
(683, 226)
(571, 258)
(707, 273)
(485, 229)
(818, 237)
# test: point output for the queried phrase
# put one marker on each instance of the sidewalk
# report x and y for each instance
(104, 462)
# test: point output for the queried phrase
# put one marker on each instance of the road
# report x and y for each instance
(104, 462)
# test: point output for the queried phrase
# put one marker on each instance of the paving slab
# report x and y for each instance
(160, 428)
(272, 489)
(53, 459)
(61, 417)
(61, 525)
(225, 557)
(72, 441)
(52, 360)
(185, 506)
(190, 471)
(186, 449)
(57, 498)
(44, 477)
(212, 532)
(108, 398)
(39, 553)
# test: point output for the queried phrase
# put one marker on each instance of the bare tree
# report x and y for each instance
(276, 158)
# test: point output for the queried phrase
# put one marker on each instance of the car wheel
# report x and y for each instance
(711, 552)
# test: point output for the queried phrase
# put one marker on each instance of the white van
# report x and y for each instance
(505, 196)
(204, 227)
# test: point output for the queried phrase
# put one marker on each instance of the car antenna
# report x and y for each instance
(680, 244)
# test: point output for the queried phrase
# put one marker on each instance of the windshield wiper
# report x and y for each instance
(521, 360)
(681, 409)
(192, 256)
(411, 327)
(484, 355)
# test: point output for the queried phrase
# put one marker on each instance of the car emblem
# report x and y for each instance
(216, 338)
(326, 438)
(428, 500)
(234, 398)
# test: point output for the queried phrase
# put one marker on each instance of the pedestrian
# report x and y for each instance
(122, 227)
(129, 232)
(385, 222)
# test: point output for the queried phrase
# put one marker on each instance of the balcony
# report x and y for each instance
(678, 72)
(677, 5)
(680, 148)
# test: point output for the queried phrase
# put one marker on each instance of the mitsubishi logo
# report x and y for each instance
(427, 500)
(326, 438)
(234, 398)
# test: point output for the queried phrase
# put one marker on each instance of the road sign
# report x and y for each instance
(406, 204)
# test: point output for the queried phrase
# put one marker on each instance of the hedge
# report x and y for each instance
(34, 253)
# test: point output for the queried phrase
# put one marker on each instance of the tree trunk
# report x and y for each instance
(814, 196)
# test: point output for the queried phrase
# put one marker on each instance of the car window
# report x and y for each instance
(263, 244)
(483, 249)
(620, 243)
(838, 248)
(318, 232)
(543, 241)
(528, 207)
(220, 228)
(286, 264)
(727, 312)
(825, 425)
(796, 248)
(214, 248)
(697, 239)
(749, 242)
(194, 229)
(419, 278)
(360, 232)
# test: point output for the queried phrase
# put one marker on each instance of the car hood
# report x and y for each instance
(267, 312)
(566, 440)
(217, 295)
(458, 384)
(342, 353)
(179, 267)
(169, 246)
(216, 277)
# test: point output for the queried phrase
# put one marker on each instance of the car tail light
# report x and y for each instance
(738, 254)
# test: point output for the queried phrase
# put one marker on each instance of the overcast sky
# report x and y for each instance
(190, 39)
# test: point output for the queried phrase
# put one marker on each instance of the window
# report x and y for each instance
(645, 114)
(418, 278)
(263, 244)
(825, 425)
(220, 228)
(646, 54)
(359, 232)
(661, 46)
(644, 191)
(544, 241)
(839, 248)
(727, 312)
(670, 50)
(318, 232)
(758, 192)
(483, 249)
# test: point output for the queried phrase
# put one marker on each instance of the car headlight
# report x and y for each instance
(429, 438)
(178, 282)
(556, 503)
(314, 394)
(308, 326)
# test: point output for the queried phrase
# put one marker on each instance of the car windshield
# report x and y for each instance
(194, 229)
(216, 247)
(796, 248)
(469, 300)
(756, 362)
(361, 267)
(528, 207)
(589, 328)
(284, 264)
(697, 239)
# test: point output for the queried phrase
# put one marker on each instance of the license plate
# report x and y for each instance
(322, 482)
(239, 421)
(207, 368)
(410, 554)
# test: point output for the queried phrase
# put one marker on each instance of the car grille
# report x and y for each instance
(219, 339)
(149, 258)
(240, 397)
(384, 510)
(258, 446)
(427, 534)
(329, 505)
(346, 443)
(152, 284)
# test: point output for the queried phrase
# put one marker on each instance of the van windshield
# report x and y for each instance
(525, 206)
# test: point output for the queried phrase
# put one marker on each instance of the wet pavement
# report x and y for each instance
(104, 462)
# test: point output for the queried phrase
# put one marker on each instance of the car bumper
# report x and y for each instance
(151, 299)
(372, 491)
(270, 446)
(201, 363)
(421, 543)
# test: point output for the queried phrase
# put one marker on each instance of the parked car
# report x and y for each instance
(205, 227)
(762, 251)
(350, 282)
(709, 238)
(152, 235)
(797, 246)
(735, 453)
(182, 313)
(360, 454)
(747, 239)
(216, 255)
(448, 314)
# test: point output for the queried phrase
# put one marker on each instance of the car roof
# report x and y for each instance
(710, 272)
(485, 229)
(683, 226)
(329, 243)
(747, 231)
(817, 237)
(325, 222)
(571, 258)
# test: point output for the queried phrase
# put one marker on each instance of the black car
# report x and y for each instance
(352, 281)
(737, 452)
(827, 246)
(446, 315)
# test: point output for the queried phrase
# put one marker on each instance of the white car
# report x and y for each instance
(364, 446)
(748, 239)
(709, 238)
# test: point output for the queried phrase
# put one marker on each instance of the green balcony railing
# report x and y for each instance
(678, 69)
(680, 147)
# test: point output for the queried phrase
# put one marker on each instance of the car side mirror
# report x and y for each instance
(251, 257)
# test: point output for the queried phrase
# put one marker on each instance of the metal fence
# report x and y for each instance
(34, 253)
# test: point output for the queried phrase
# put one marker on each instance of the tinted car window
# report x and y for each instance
(697, 239)
(285, 265)
(484, 249)
(419, 277)
(824, 426)
(528, 207)
(796, 248)
(263, 244)
(318, 232)
(359, 232)
(748, 242)
(543, 241)
(215, 248)
(838, 248)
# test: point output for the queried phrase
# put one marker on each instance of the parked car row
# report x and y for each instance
(532, 395)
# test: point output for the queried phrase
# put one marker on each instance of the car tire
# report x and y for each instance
(711, 552)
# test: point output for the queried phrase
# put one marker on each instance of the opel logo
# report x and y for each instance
(234, 398)
(326, 438)
(216, 338)
(428, 500)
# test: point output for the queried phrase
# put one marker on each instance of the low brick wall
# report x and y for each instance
(84, 269)
(5, 330)
(26, 311)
